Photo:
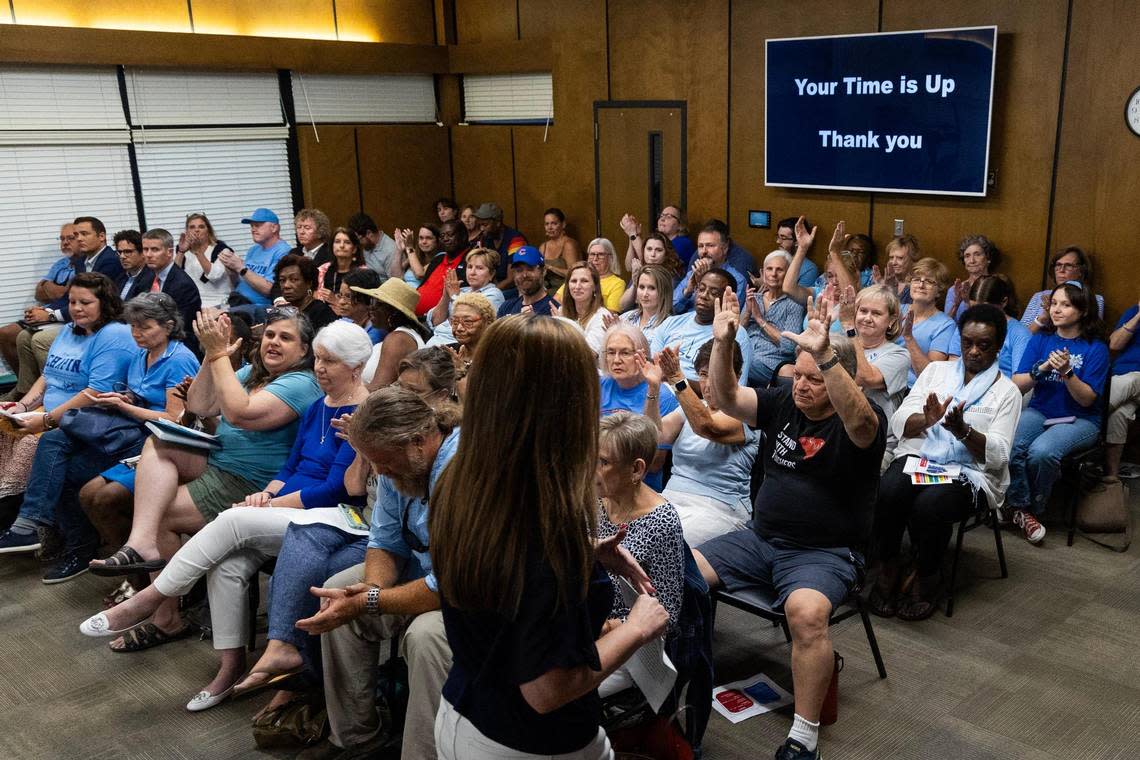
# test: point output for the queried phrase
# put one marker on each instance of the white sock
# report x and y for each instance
(805, 732)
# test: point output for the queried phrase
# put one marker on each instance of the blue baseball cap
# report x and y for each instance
(528, 255)
(261, 215)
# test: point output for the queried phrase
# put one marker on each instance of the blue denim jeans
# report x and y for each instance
(49, 474)
(1034, 463)
(309, 555)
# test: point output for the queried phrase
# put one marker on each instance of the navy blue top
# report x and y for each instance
(515, 305)
(1128, 360)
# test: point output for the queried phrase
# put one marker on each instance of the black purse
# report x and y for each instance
(105, 430)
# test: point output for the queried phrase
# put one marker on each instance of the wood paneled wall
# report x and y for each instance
(710, 53)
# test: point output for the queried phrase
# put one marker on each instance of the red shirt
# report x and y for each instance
(431, 290)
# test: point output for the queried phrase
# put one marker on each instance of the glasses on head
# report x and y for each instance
(619, 353)
(923, 281)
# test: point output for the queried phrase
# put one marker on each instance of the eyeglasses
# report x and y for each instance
(467, 322)
(923, 281)
(1066, 265)
(785, 237)
(343, 296)
(667, 215)
(597, 255)
(127, 251)
(622, 353)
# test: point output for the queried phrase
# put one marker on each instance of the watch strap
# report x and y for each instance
(830, 362)
(852, 332)
(372, 601)
(680, 385)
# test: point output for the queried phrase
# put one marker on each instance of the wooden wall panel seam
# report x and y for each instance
(1057, 147)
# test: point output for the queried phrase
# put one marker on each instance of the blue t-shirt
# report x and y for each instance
(61, 271)
(261, 261)
(97, 361)
(616, 399)
(316, 467)
(683, 332)
(1089, 360)
(515, 305)
(935, 333)
(1017, 338)
(685, 248)
(1128, 360)
(809, 273)
(395, 516)
(151, 383)
(257, 455)
(711, 469)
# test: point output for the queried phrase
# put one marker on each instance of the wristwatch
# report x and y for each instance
(633, 237)
(372, 601)
(830, 362)
(242, 271)
(1035, 373)
(680, 385)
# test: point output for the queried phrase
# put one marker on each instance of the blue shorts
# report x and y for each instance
(121, 474)
(743, 560)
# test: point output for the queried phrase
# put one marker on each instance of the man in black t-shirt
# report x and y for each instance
(823, 444)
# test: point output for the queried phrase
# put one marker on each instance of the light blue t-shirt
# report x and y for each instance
(715, 470)
(683, 332)
(1017, 338)
(809, 273)
(151, 383)
(75, 362)
(937, 332)
(61, 271)
(257, 455)
(683, 303)
(393, 511)
(261, 261)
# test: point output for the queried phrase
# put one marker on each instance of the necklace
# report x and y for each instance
(325, 428)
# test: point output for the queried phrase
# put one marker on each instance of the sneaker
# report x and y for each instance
(1033, 530)
(793, 750)
(71, 565)
(12, 542)
(51, 544)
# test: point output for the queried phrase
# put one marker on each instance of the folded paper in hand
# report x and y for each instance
(649, 666)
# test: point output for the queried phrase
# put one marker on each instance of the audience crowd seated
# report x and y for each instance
(768, 422)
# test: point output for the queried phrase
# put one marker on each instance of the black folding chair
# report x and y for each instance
(973, 520)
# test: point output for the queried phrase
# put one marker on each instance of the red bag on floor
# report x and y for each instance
(656, 739)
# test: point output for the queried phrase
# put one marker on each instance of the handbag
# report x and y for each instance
(104, 430)
(1104, 509)
(301, 722)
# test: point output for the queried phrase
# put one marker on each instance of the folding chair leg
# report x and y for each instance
(1000, 548)
(871, 640)
(253, 598)
(787, 633)
(954, 567)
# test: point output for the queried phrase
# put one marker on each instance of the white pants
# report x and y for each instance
(456, 738)
(1123, 399)
(703, 517)
(230, 549)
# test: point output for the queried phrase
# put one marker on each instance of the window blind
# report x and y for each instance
(47, 186)
(225, 177)
(508, 98)
(364, 99)
(159, 97)
(60, 105)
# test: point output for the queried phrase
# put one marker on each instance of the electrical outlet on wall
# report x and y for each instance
(898, 227)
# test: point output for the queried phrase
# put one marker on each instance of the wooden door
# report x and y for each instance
(640, 166)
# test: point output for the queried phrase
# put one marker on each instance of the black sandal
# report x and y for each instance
(148, 636)
(884, 597)
(124, 562)
(922, 601)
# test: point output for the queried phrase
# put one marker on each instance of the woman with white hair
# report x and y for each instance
(233, 547)
(768, 312)
(602, 257)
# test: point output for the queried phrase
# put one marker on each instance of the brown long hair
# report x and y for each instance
(517, 482)
(569, 308)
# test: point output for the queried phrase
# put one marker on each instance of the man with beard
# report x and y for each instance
(529, 270)
(394, 592)
(686, 333)
(823, 442)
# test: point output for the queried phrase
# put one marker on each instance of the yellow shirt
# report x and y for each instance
(612, 289)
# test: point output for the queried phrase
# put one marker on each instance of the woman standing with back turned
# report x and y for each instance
(522, 595)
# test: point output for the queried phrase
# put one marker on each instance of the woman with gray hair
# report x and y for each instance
(148, 394)
(602, 258)
(768, 312)
(232, 548)
(625, 352)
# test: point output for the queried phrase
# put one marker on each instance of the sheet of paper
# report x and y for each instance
(649, 666)
(924, 466)
(753, 696)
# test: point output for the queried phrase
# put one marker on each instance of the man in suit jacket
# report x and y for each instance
(162, 275)
(314, 233)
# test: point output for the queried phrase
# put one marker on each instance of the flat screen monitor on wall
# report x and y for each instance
(905, 112)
